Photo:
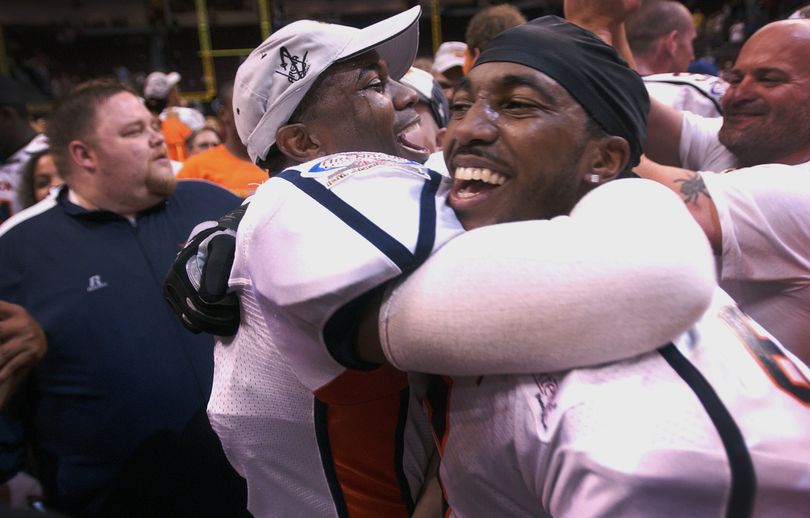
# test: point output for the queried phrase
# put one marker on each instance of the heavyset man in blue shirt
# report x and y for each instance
(116, 410)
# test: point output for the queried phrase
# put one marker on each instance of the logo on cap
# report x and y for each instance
(294, 68)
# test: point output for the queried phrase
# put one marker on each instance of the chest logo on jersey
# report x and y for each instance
(334, 169)
(546, 395)
(95, 283)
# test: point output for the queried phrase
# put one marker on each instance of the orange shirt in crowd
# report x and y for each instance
(218, 165)
(174, 134)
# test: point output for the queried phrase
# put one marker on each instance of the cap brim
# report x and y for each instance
(172, 78)
(396, 39)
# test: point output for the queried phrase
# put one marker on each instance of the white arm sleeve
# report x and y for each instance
(626, 272)
(700, 148)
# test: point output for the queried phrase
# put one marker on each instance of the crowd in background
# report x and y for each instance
(50, 60)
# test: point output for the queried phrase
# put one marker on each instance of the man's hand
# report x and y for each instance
(19, 490)
(604, 12)
(22, 346)
(603, 17)
(197, 283)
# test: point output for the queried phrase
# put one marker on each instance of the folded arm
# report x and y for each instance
(628, 271)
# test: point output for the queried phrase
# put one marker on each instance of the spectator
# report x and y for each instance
(432, 109)
(661, 35)
(736, 33)
(162, 95)
(755, 217)
(18, 141)
(485, 25)
(114, 412)
(424, 63)
(39, 178)
(448, 65)
(227, 164)
(202, 139)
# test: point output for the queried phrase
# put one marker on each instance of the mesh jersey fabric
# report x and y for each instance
(630, 438)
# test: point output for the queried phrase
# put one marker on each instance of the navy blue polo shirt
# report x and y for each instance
(120, 369)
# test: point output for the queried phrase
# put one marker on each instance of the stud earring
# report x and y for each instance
(594, 178)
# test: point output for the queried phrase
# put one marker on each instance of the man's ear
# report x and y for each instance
(298, 143)
(81, 155)
(610, 157)
(440, 138)
(470, 57)
(671, 43)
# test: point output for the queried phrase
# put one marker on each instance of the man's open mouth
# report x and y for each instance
(471, 181)
(402, 138)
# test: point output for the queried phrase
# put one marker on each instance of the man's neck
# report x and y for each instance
(85, 203)
(644, 68)
(235, 147)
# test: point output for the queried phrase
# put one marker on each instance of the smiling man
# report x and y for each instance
(115, 409)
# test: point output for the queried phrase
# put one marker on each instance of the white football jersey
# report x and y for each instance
(314, 431)
(697, 93)
(717, 424)
(11, 176)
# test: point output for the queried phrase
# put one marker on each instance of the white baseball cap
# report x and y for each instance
(450, 54)
(158, 84)
(429, 92)
(274, 78)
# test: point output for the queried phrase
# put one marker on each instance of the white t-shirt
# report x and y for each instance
(634, 438)
(700, 149)
(11, 174)
(764, 214)
(312, 436)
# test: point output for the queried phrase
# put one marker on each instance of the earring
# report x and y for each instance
(594, 178)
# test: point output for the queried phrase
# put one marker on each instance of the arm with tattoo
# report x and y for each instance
(690, 187)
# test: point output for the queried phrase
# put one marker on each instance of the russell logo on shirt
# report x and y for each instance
(95, 283)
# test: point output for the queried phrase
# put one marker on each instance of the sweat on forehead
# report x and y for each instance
(589, 69)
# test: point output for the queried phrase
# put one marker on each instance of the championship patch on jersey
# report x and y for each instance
(335, 168)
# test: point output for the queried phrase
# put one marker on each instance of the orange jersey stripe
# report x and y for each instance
(363, 415)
